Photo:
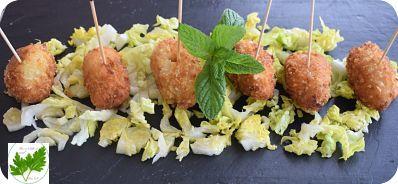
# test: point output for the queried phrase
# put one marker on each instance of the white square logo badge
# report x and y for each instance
(28, 163)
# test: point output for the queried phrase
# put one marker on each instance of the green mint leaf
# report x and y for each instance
(37, 161)
(240, 63)
(210, 87)
(231, 18)
(226, 36)
(19, 167)
(196, 42)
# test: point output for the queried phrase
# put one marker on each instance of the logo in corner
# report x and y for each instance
(28, 163)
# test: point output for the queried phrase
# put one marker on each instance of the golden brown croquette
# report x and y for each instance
(308, 87)
(375, 83)
(175, 79)
(107, 83)
(258, 86)
(30, 81)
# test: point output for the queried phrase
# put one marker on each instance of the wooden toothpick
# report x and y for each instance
(10, 45)
(392, 39)
(266, 14)
(94, 13)
(311, 28)
(179, 22)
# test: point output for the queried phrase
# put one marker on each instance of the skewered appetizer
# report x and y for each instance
(106, 82)
(374, 82)
(309, 86)
(30, 81)
(175, 79)
(258, 86)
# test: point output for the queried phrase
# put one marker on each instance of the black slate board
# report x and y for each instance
(358, 20)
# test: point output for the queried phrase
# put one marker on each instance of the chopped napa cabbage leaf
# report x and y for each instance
(29, 113)
(62, 124)
(252, 32)
(134, 34)
(132, 140)
(297, 39)
(165, 121)
(58, 137)
(280, 118)
(102, 115)
(198, 114)
(167, 24)
(80, 36)
(87, 128)
(301, 142)
(164, 28)
(51, 112)
(183, 149)
(252, 134)
(111, 130)
(139, 105)
(165, 144)
(356, 120)
(343, 89)
(298, 146)
(55, 47)
(350, 141)
(150, 150)
(340, 86)
(212, 145)
(328, 38)
(12, 119)
(360, 118)
(182, 117)
(254, 106)
(48, 140)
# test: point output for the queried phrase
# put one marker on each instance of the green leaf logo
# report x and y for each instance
(24, 166)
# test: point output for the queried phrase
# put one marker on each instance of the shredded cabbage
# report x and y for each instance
(212, 145)
(55, 47)
(280, 118)
(183, 148)
(112, 129)
(252, 134)
(12, 119)
(132, 140)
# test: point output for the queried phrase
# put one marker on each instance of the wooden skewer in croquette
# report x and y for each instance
(374, 82)
(258, 86)
(310, 90)
(105, 77)
(30, 81)
(308, 76)
(107, 83)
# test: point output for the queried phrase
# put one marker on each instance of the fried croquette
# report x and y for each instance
(258, 86)
(30, 81)
(308, 87)
(107, 83)
(175, 79)
(374, 83)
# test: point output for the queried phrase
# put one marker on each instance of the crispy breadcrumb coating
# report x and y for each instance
(30, 81)
(258, 86)
(308, 87)
(375, 83)
(108, 84)
(175, 79)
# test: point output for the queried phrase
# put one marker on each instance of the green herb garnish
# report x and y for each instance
(231, 18)
(210, 85)
(30, 163)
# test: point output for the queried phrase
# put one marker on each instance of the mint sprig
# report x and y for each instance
(196, 42)
(231, 18)
(30, 163)
(210, 85)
